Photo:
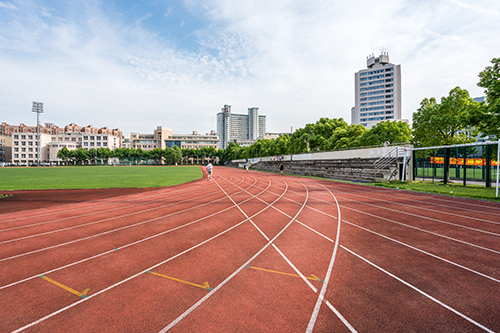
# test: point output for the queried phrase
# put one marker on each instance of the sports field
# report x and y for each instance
(86, 177)
(252, 252)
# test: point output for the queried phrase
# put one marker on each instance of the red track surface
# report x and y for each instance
(252, 252)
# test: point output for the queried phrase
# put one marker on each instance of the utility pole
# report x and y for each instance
(38, 108)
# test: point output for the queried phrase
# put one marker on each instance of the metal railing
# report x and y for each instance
(389, 158)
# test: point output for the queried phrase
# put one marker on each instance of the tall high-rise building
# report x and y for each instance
(377, 92)
(239, 128)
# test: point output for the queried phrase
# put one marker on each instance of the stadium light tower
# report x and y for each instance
(38, 108)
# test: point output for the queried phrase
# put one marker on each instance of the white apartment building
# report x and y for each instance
(25, 148)
(240, 128)
(164, 137)
(377, 92)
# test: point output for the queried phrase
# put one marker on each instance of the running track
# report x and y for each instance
(253, 252)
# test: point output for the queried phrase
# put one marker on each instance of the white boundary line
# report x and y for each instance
(421, 292)
(121, 247)
(192, 308)
(321, 295)
(138, 274)
(114, 218)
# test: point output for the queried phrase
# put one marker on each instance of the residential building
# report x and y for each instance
(240, 128)
(163, 137)
(5, 148)
(22, 148)
(377, 92)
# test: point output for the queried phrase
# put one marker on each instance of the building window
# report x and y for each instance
(23, 155)
(16, 143)
(23, 137)
(66, 139)
(104, 137)
(30, 149)
(30, 137)
(16, 155)
(16, 149)
(23, 149)
(98, 144)
(91, 138)
(92, 144)
(85, 144)
(16, 136)
(73, 139)
(30, 155)
(105, 144)
(98, 138)
(85, 138)
(30, 143)
(23, 143)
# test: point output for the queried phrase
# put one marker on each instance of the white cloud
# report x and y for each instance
(7, 5)
(294, 61)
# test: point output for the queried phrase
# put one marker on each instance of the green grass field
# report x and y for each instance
(85, 177)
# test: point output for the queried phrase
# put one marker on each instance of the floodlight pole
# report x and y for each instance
(38, 108)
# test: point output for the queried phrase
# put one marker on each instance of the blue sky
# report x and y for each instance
(137, 65)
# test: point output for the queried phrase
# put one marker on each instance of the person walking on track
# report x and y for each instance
(282, 167)
(209, 171)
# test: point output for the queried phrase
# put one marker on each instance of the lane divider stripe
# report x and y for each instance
(82, 294)
(203, 286)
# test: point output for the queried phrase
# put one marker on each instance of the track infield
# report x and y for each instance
(252, 252)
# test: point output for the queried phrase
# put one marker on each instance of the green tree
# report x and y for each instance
(387, 131)
(487, 115)
(445, 123)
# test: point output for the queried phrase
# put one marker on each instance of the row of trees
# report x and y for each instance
(456, 119)
(326, 134)
(102, 155)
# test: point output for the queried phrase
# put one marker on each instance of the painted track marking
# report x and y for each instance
(205, 285)
(312, 277)
(140, 273)
(201, 301)
(82, 294)
(121, 247)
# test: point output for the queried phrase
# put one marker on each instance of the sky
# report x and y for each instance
(136, 65)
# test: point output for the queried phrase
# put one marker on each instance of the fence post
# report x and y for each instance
(446, 165)
(465, 166)
(488, 165)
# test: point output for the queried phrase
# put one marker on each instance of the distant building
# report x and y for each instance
(240, 128)
(377, 92)
(22, 148)
(163, 137)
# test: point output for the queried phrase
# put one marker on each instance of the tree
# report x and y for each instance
(386, 131)
(487, 115)
(445, 123)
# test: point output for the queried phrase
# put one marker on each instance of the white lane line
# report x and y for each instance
(427, 202)
(121, 247)
(321, 295)
(421, 292)
(346, 323)
(274, 246)
(100, 212)
(102, 202)
(430, 218)
(296, 269)
(111, 218)
(239, 208)
(407, 226)
(138, 274)
(192, 308)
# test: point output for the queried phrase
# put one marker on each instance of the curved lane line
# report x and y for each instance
(119, 248)
(472, 321)
(192, 308)
(107, 201)
(321, 295)
(136, 275)
(113, 218)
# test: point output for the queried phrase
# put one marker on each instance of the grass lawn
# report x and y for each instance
(85, 177)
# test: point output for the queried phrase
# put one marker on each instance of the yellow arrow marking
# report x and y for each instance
(82, 294)
(312, 277)
(205, 285)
